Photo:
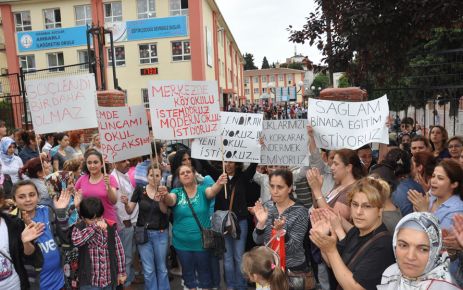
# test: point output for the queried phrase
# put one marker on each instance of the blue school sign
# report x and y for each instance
(52, 38)
(157, 28)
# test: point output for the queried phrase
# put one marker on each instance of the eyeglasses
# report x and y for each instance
(363, 206)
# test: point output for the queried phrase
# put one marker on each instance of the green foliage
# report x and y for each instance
(321, 81)
(249, 62)
(344, 82)
(296, 65)
(265, 64)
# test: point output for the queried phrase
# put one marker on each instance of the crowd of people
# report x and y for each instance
(275, 111)
(390, 218)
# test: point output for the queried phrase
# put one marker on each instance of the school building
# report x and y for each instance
(275, 85)
(153, 40)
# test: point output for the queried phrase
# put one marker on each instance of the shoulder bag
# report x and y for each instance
(141, 232)
(211, 240)
(225, 221)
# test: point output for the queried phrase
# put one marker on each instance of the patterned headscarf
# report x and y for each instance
(4, 144)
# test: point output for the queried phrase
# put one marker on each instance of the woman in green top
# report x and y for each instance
(186, 233)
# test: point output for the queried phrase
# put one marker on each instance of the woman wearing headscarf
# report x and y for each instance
(9, 161)
(417, 245)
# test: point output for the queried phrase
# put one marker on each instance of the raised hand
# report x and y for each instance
(420, 202)
(26, 218)
(106, 181)
(315, 179)
(32, 231)
(63, 200)
(124, 199)
(458, 228)
(325, 242)
(77, 198)
(279, 223)
(310, 131)
(319, 222)
(223, 179)
(425, 185)
(261, 213)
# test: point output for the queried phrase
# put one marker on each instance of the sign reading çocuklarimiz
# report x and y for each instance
(76, 36)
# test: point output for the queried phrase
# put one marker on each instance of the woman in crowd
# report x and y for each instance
(16, 245)
(423, 164)
(262, 266)
(76, 144)
(283, 214)
(94, 183)
(187, 239)
(95, 142)
(446, 193)
(58, 154)
(417, 245)
(438, 137)
(455, 146)
(47, 142)
(30, 149)
(346, 169)
(152, 215)
(25, 195)
(37, 170)
(9, 161)
(181, 157)
(365, 251)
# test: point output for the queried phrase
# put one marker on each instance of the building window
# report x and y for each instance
(280, 78)
(256, 79)
(146, 9)
(178, 7)
(181, 50)
(148, 53)
(52, 18)
(145, 98)
(83, 15)
(55, 61)
(83, 58)
(223, 69)
(264, 79)
(272, 79)
(119, 55)
(256, 90)
(113, 11)
(220, 37)
(289, 77)
(27, 62)
(246, 80)
(246, 91)
(23, 21)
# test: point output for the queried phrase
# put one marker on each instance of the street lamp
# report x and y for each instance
(318, 89)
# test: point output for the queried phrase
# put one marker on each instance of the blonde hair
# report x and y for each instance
(265, 262)
(376, 189)
(72, 164)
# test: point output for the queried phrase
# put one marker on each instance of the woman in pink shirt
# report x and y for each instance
(96, 184)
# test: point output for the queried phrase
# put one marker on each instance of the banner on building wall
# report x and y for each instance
(184, 109)
(285, 94)
(209, 49)
(175, 26)
(285, 142)
(51, 38)
(62, 103)
(123, 132)
(240, 133)
(348, 124)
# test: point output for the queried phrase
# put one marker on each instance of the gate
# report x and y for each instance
(10, 94)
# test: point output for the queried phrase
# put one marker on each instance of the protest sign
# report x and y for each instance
(285, 142)
(62, 103)
(184, 109)
(123, 132)
(348, 124)
(240, 133)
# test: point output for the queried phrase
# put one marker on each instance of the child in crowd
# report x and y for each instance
(262, 266)
(101, 255)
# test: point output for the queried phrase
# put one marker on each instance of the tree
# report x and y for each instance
(370, 39)
(249, 62)
(321, 81)
(295, 65)
(265, 63)
(343, 81)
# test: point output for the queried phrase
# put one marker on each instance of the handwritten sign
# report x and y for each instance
(184, 109)
(62, 103)
(123, 132)
(240, 135)
(348, 124)
(285, 142)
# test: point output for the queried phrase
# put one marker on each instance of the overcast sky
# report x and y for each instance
(259, 27)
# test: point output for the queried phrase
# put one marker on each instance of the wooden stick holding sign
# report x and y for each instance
(223, 164)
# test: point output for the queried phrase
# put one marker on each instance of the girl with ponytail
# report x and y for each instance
(262, 266)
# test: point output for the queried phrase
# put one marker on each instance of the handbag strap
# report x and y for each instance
(6, 256)
(232, 199)
(365, 246)
(192, 210)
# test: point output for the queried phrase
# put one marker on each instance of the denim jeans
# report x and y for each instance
(215, 271)
(153, 257)
(232, 259)
(126, 235)
(196, 268)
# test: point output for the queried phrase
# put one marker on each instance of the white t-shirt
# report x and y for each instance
(9, 279)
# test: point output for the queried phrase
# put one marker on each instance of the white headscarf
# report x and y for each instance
(436, 274)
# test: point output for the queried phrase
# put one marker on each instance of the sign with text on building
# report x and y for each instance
(175, 26)
(184, 109)
(240, 133)
(51, 38)
(62, 103)
(123, 132)
(348, 125)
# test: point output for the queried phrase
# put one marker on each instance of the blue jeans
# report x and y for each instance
(232, 259)
(215, 271)
(196, 268)
(126, 235)
(153, 257)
